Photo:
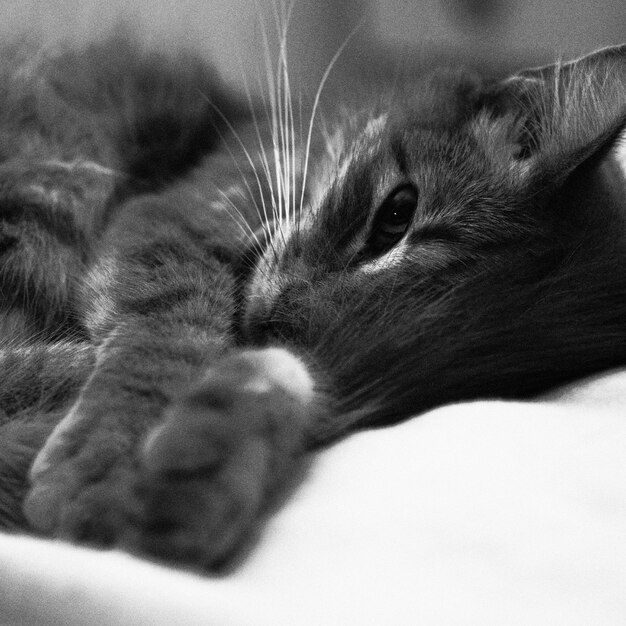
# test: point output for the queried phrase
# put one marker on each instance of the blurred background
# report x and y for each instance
(393, 35)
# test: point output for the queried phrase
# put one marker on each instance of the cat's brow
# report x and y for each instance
(399, 154)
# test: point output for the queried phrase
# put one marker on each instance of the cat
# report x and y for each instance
(182, 327)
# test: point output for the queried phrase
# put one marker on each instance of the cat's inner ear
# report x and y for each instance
(549, 120)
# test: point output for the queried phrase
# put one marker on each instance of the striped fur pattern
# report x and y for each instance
(185, 315)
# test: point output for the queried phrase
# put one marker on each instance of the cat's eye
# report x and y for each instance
(393, 218)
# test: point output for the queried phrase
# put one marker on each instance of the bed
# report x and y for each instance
(486, 512)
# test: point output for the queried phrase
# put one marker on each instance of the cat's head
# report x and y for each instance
(438, 224)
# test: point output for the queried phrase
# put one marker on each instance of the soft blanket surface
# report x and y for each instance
(477, 513)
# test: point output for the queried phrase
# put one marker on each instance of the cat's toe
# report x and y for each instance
(100, 513)
(202, 516)
(80, 484)
(68, 505)
(44, 503)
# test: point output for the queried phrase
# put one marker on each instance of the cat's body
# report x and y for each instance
(465, 240)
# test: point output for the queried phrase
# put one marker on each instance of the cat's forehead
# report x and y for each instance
(436, 100)
(427, 119)
(375, 148)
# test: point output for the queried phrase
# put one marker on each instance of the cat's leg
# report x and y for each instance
(158, 306)
(174, 443)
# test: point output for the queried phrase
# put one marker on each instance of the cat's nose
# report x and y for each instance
(275, 320)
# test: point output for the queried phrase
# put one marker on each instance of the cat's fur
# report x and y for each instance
(187, 371)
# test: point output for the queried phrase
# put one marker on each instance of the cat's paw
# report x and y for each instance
(196, 487)
(209, 468)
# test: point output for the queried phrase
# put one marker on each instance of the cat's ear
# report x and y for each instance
(550, 120)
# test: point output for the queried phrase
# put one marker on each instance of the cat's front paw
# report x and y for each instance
(209, 468)
(197, 485)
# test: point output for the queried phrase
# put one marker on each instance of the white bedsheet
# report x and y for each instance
(477, 513)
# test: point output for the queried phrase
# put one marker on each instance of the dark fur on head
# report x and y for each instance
(510, 279)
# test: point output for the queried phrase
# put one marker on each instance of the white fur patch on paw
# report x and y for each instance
(280, 368)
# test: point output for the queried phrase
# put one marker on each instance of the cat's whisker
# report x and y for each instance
(272, 113)
(285, 111)
(279, 151)
(263, 215)
(239, 218)
(264, 165)
(316, 101)
(292, 154)
(296, 207)
(271, 104)
(273, 173)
